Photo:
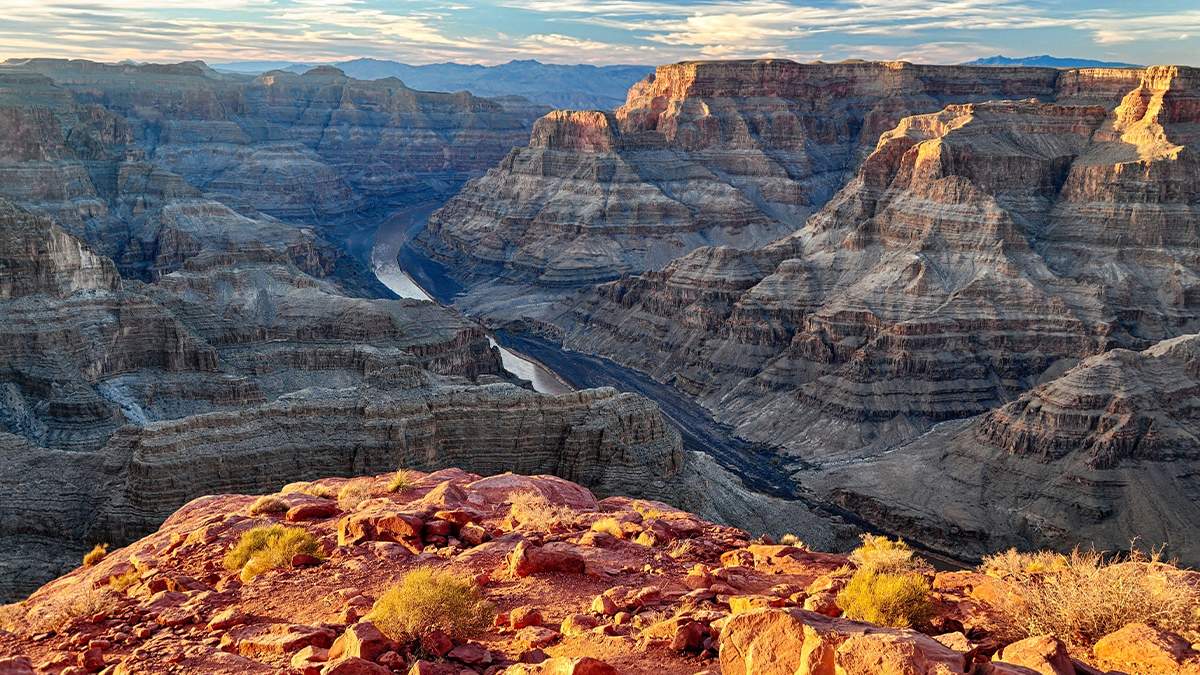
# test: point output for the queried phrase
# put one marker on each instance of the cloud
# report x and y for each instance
(597, 31)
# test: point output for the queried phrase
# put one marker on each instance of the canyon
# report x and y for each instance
(959, 245)
(958, 304)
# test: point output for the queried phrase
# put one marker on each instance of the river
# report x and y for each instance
(390, 238)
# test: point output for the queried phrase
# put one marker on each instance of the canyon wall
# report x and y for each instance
(978, 252)
(703, 153)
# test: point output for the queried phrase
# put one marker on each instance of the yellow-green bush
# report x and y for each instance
(98, 552)
(352, 494)
(403, 480)
(896, 599)
(311, 489)
(427, 599)
(268, 547)
(532, 510)
(880, 554)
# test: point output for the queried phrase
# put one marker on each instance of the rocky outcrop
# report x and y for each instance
(1104, 453)
(572, 584)
(704, 153)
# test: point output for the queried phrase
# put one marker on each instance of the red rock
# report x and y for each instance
(690, 637)
(565, 665)
(471, 654)
(392, 660)
(16, 665)
(314, 510)
(305, 560)
(473, 534)
(526, 560)
(310, 660)
(430, 668)
(379, 523)
(354, 666)
(1138, 649)
(274, 639)
(362, 640)
(788, 641)
(578, 624)
(459, 517)
(535, 637)
(1045, 655)
(228, 618)
(436, 642)
(524, 616)
(497, 489)
(92, 660)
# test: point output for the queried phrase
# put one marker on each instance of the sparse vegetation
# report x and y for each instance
(532, 510)
(94, 556)
(403, 480)
(311, 489)
(1084, 596)
(352, 494)
(896, 599)
(269, 547)
(882, 555)
(121, 582)
(12, 618)
(889, 586)
(790, 539)
(268, 504)
(428, 598)
(56, 616)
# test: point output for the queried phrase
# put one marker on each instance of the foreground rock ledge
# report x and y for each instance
(580, 586)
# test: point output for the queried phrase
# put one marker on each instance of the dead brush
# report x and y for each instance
(1083, 596)
(532, 510)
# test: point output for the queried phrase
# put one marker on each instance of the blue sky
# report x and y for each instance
(598, 31)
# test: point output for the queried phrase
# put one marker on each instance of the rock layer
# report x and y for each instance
(733, 153)
(978, 252)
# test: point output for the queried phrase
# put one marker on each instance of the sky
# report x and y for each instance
(598, 31)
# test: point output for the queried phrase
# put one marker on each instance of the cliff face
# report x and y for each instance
(120, 400)
(103, 148)
(733, 153)
(978, 252)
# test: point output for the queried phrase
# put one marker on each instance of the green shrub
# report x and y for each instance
(426, 599)
(98, 552)
(895, 599)
(311, 489)
(532, 510)
(403, 480)
(268, 547)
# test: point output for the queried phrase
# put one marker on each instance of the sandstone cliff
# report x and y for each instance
(734, 153)
(978, 252)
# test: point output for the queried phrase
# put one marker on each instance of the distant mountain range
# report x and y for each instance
(1047, 61)
(560, 86)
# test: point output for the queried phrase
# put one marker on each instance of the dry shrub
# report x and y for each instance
(790, 539)
(428, 599)
(57, 615)
(121, 582)
(532, 510)
(12, 618)
(880, 554)
(268, 504)
(895, 599)
(352, 494)
(310, 489)
(95, 555)
(1084, 596)
(403, 480)
(269, 547)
